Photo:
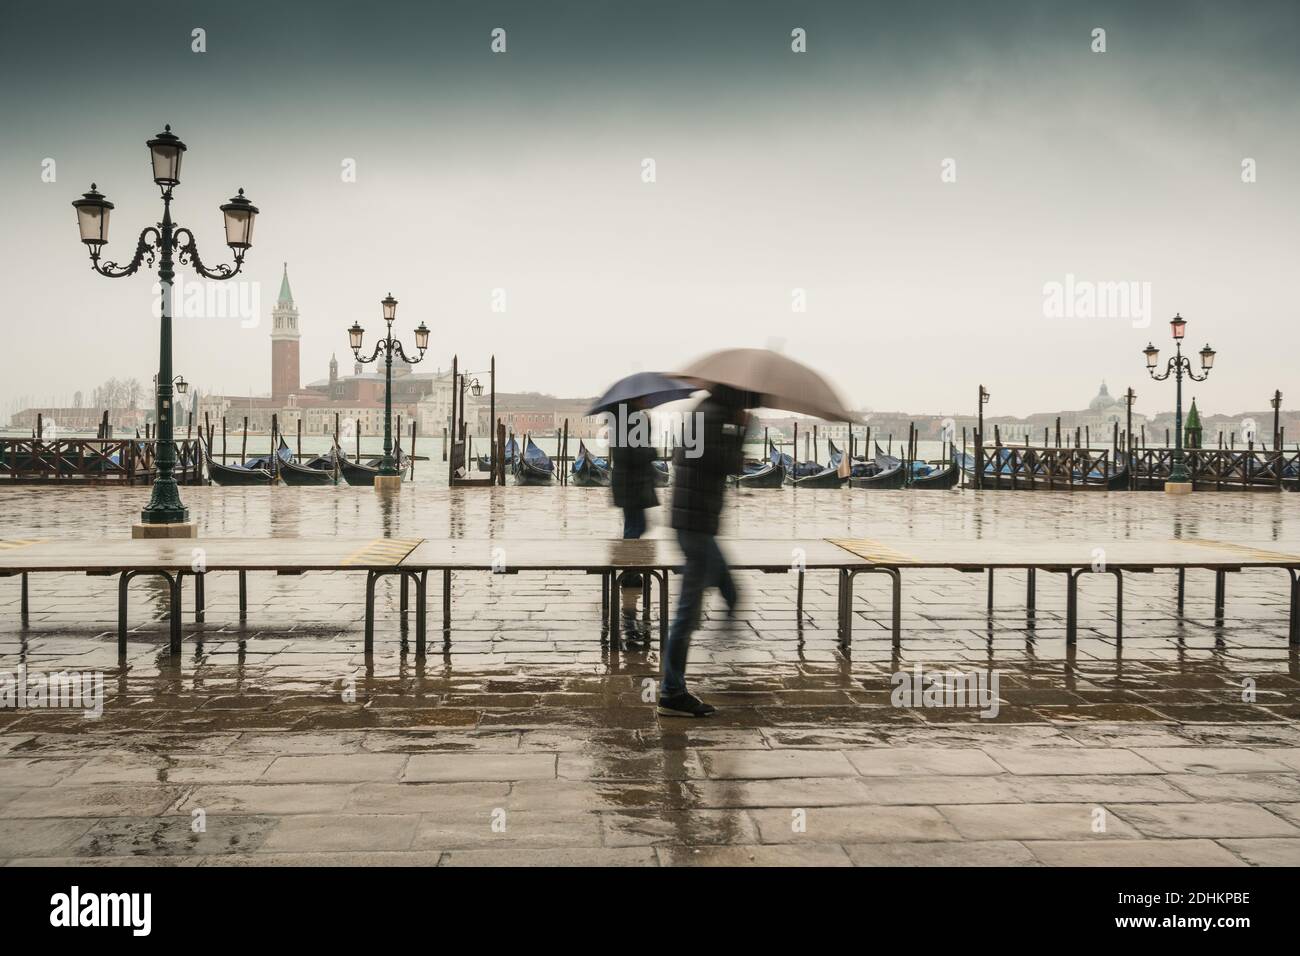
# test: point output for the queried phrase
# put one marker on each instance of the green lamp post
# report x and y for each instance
(165, 152)
(1178, 366)
(388, 346)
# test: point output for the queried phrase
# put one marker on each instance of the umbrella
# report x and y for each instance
(647, 388)
(780, 382)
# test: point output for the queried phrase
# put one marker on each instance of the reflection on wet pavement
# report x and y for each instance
(527, 738)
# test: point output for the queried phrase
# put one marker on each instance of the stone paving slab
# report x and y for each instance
(528, 739)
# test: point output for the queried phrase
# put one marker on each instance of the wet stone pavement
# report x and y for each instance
(527, 739)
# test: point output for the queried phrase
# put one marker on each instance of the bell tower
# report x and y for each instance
(285, 335)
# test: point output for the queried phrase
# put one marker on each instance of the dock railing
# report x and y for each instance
(1220, 469)
(1029, 467)
(94, 460)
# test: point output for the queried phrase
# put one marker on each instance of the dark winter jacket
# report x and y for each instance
(632, 478)
(698, 482)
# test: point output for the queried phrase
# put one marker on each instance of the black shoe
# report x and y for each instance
(685, 705)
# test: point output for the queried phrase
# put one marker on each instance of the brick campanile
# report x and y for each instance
(285, 380)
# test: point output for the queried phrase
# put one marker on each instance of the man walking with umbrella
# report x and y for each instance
(698, 485)
(738, 380)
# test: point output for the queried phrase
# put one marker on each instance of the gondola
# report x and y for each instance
(793, 470)
(589, 471)
(828, 477)
(889, 474)
(938, 478)
(235, 474)
(768, 474)
(284, 453)
(534, 466)
(484, 462)
(317, 471)
(363, 475)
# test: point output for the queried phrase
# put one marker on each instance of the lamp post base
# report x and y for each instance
(1178, 487)
(178, 529)
(388, 482)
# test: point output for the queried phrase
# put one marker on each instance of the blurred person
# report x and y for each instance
(698, 485)
(632, 480)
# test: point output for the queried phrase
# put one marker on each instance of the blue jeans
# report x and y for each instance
(705, 568)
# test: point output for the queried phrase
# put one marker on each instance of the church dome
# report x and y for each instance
(1103, 400)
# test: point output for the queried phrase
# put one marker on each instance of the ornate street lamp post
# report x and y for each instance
(388, 346)
(1180, 481)
(166, 152)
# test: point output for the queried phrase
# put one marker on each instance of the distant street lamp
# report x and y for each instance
(1178, 366)
(388, 346)
(182, 386)
(1130, 397)
(165, 152)
(979, 465)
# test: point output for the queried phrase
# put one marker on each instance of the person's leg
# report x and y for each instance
(720, 575)
(678, 644)
(630, 586)
(634, 522)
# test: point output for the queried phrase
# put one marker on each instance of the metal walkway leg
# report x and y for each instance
(371, 576)
(897, 622)
(175, 615)
(446, 603)
(1072, 605)
(1031, 595)
(798, 601)
(123, 580)
(1294, 624)
(421, 588)
(846, 603)
(615, 597)
(1119, 603)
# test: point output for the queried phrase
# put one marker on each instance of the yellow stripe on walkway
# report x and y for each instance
(383, 551)
(1248, 550)
(11, 543)
(872, 550)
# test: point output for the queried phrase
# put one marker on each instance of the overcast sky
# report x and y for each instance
(775, 171)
